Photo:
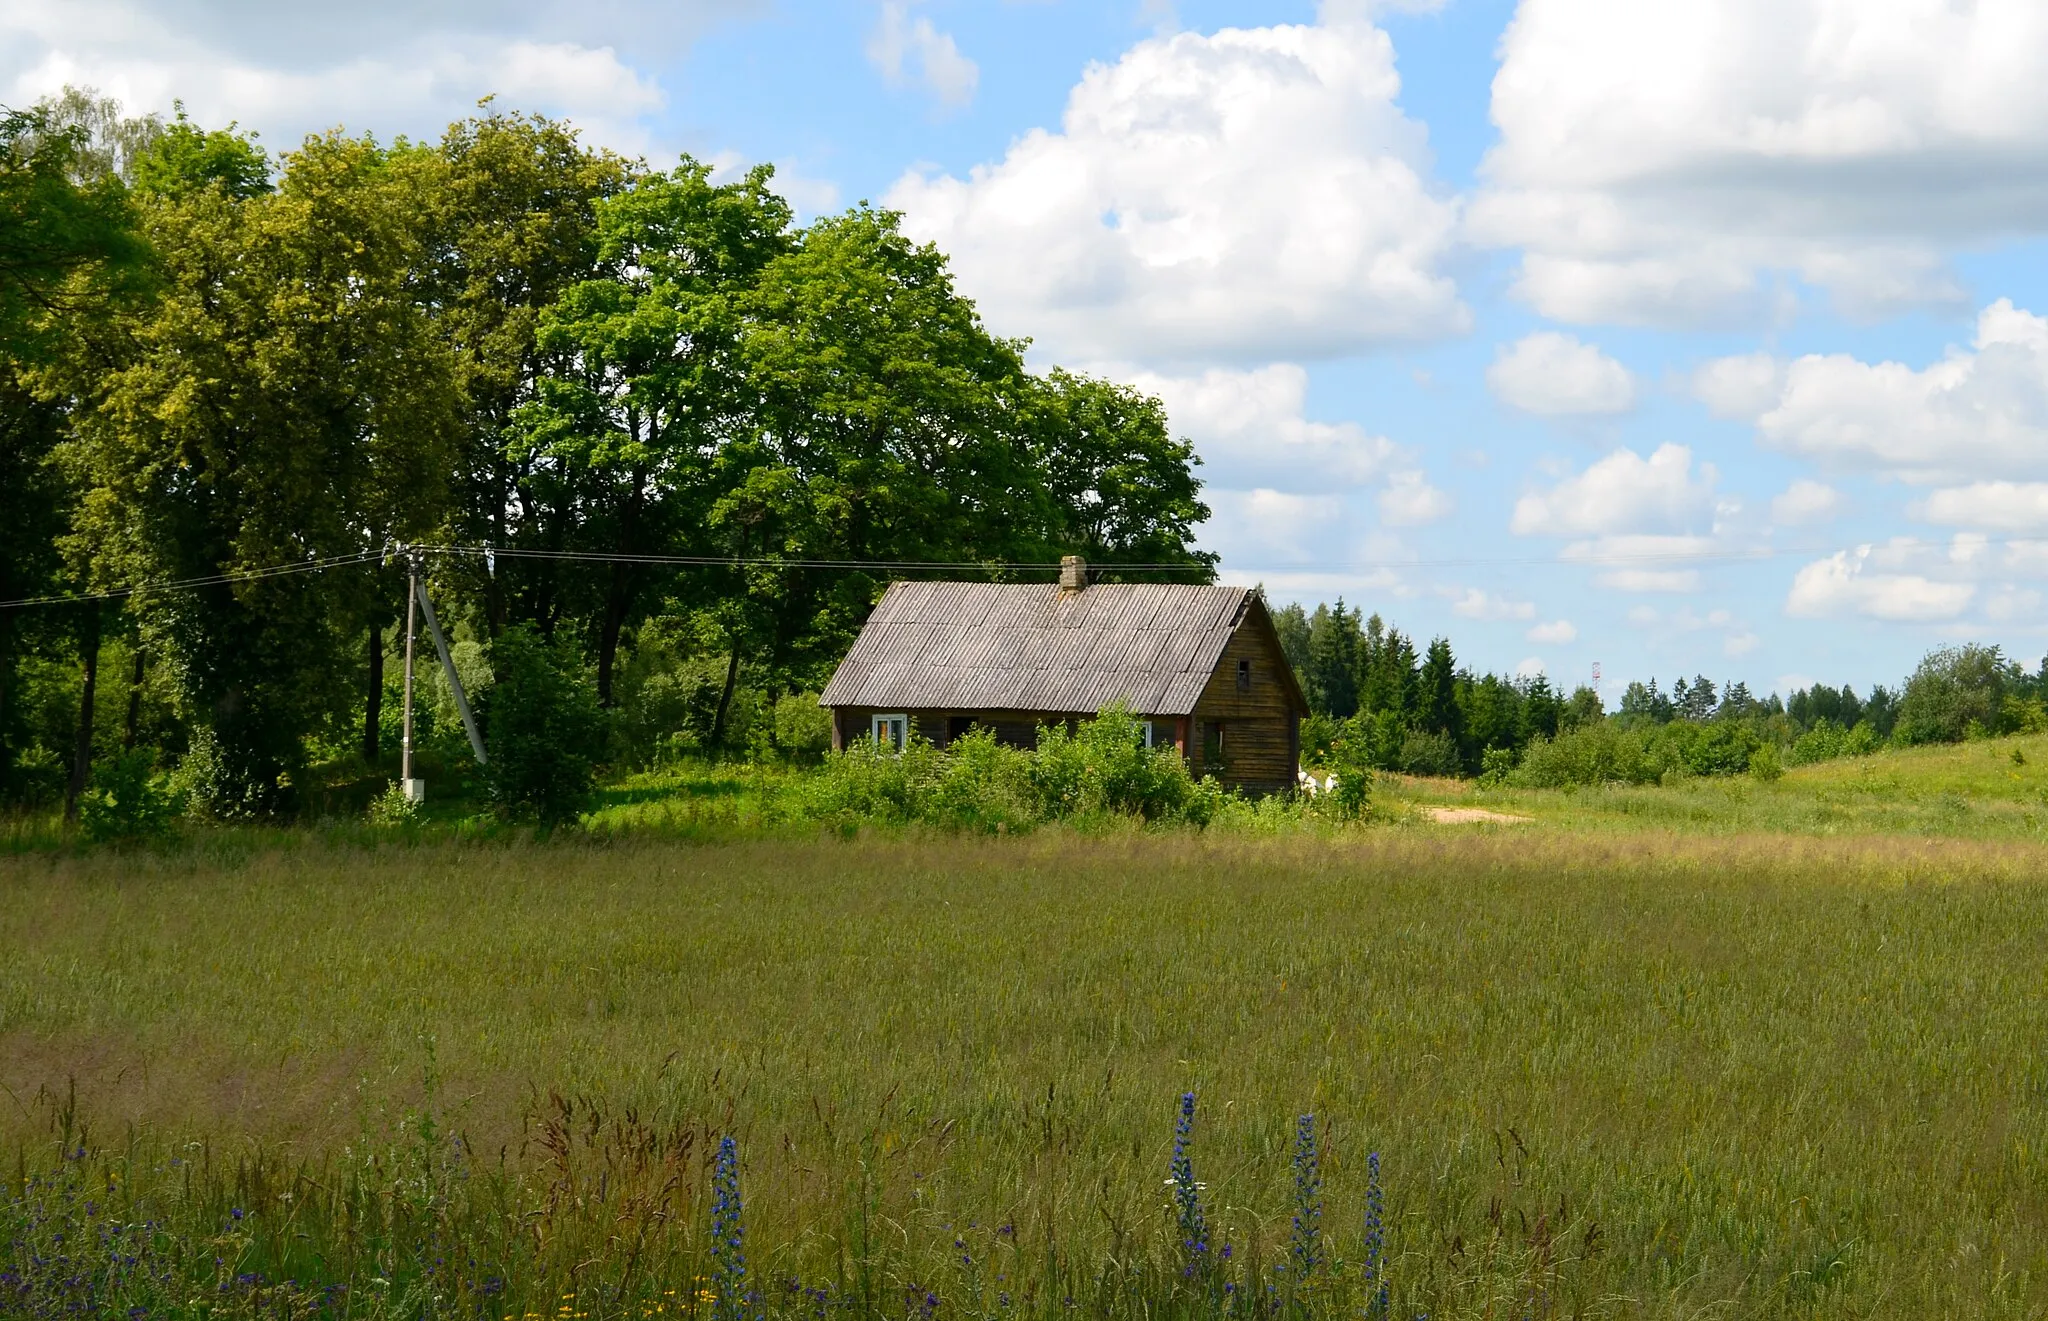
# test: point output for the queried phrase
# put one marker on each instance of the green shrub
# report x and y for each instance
(1828, 740)
(226, 782)
(1429, 752)
(982, 785)
(545, 728)
(868, 782)
(1712, 747)
(1100, 769)
(1954, 688)
(1496, 765)
(1598, 752)
(125, 801)
(2023, 715)
(37, 777)
(1352, 757)
(393, 808)
(1103, 768)
(1824, 742)
(1764, 764)
(803, 729)
(1319, 734)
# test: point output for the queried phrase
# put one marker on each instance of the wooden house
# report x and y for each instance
(1200, 665)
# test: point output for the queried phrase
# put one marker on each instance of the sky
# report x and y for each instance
(1677, 337)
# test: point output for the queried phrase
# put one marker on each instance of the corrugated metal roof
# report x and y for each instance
(1028, 647)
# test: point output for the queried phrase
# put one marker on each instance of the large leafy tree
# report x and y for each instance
(509, 204)
(886, 422)
(1115, 483)
(284, 400)
(624, 440)
(69, 250)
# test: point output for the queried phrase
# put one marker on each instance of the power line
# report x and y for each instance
(491, 553)
(1173, 566)
(207, 580)
(765, 561)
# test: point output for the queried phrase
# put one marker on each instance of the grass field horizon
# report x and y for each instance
(1642, 1073)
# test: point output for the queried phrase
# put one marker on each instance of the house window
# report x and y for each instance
(1244, 676)
(1145, 728)
(892, 732)
(1212, 743)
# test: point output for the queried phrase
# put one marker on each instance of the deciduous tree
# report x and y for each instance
(284, 400)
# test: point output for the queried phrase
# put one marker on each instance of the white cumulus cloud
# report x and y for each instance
(1556, 633)
(381, 65)
(1805, 501)
(901, 42)
(1476, 603)
(1408, 500)
(1742, 387)
(1662, 163)
(1251, 429)
(1263, 525)
(1991, 506)
(1554, 375)
(1622, 493)
(1981, 412)
(1847, 583)
(1250, 195)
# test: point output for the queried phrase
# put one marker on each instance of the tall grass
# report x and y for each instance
(1990, 790)
(1613, 1076)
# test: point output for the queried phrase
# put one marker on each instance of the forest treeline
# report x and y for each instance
(215, 362)
(1382, 703)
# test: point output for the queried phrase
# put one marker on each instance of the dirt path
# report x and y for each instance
(1460, 816)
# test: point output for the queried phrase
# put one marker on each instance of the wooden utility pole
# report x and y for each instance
(415, 790)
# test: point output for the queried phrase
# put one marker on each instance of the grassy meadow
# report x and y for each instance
(1992, 789)
(1606, 1072)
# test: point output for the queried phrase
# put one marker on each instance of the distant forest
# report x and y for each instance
(1400, 708)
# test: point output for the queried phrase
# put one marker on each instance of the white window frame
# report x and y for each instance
(1150, 732)
(891, 731)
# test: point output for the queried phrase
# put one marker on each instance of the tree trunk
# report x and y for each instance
(732, 675)
(373, 705)
(6, 699)
(134, 720)
(619, 597)
(608, 636)
(89, 670)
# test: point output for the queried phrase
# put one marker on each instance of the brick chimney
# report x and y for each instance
(1073, 574)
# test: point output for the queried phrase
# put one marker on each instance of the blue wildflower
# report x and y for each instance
(728, 1233)
(1305, 1248)
(1187, 1194)
(1375, 1239)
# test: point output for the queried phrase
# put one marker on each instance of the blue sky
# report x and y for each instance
(1703, 335)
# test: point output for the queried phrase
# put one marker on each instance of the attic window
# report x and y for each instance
(892, 732)
(1244, 676)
